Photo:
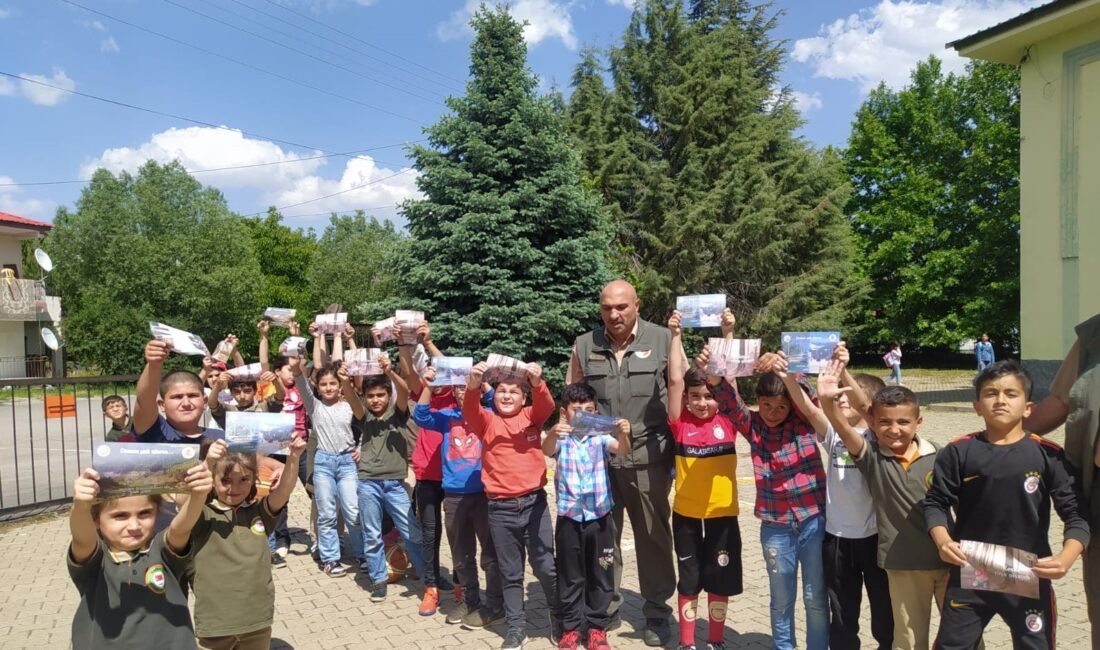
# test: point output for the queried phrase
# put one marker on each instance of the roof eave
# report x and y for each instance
(1007, 42)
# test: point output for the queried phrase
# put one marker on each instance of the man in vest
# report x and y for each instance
(1075, 401)
(626, 362)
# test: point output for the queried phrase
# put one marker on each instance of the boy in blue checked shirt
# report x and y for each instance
(584, 537)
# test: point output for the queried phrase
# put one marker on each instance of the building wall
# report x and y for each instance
(12, 352)
(1060, 190)
(11, 252)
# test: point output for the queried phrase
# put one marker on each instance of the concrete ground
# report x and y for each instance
(315, 611)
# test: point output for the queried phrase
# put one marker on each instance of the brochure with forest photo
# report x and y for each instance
(701, 311)
(134, 468)
(809, 352)
(279, 316)
(259, 433)
(731, 358)
(182, 342)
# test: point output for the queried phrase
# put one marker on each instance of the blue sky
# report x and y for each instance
(294, 81)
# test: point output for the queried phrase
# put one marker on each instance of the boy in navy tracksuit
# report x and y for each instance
(465, 510)
(1001, 483)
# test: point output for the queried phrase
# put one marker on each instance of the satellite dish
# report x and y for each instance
(43, 260)
(50, 339)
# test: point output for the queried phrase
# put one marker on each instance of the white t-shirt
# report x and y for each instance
(849, 511)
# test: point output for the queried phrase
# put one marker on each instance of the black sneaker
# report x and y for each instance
(657, 632)
(443, 584)
(278, 561)
(457, 613)
(334, 569)
(614, 622)
(556, 628)
(514, 639)
(481, 617)
(378, 592)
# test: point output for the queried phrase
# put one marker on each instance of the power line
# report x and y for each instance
(367, 43)
(302, 52)
(353, 49)
(349, 154)
(328, 196)
(241, 63)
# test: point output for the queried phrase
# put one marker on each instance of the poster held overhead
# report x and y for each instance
(133, 468)
(385, 330)
(809, 352)
(331, 323)
(293, 346)
(409, 320)
(731, 358)
(452, 371)
(362, 362)
(279, 316)
(500, 367)
(259, 433)
(182, 342)
(702, 310)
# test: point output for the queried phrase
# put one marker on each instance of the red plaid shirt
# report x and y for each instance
(790, 478)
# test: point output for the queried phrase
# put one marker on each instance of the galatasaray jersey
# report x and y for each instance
(706, 466)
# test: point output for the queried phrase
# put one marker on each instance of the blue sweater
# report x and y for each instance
(984, 351)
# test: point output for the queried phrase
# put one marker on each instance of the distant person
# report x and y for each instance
(122, 425)
(892, 359)
(983, 352)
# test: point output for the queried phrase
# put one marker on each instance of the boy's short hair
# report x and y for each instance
(179, 377)
(280, 361)
(242, 383)
(895, 396)
(869, 384)
(1008, 367)
(111, 399)
(695, 377)
(98, 506)
(577, 393)
(770, 385)
(374, 381)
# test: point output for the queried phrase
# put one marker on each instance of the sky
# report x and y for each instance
(308, 105)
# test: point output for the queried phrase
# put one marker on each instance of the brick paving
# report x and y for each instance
(315, 611)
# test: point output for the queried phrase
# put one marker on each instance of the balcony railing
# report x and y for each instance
(27, 300)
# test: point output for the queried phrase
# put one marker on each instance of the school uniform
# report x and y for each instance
(132, 600)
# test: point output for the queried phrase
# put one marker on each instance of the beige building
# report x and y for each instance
(1057, 47)
(24, 305)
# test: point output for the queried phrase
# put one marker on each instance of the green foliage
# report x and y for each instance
(509, 247)
(353, 263)
(157, 246)
(693, 153)
(936, 207)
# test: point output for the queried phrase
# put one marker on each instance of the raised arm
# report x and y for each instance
(828, 390)
(347, 388)
(148, 386)
(220, 384)
(401, 397)
(676, 369)
(542, 402)
(199, 482)
(799, 399)
(319, 353)
(309, 402)
(1051, 412)
(476, 417)
(280, 494)
(265, 344)
(81, 526)
(856, 397)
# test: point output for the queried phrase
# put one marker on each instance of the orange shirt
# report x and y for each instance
(512, 462)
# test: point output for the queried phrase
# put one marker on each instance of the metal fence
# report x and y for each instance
(48, 428)
(35, 365)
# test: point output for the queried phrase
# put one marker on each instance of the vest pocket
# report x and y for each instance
(643, 382)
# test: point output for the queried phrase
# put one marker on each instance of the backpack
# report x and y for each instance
(887, 358)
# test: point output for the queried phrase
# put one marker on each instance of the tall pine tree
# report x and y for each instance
(509, 249)
(709, 188)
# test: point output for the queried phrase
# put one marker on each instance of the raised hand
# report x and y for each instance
(728, 321)
(674, 324)
(157, 351)
(86, 486)
(534, 374)
(199, 481)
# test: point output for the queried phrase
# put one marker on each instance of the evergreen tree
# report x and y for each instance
(936, 207)
(709, 188)
(509, 249)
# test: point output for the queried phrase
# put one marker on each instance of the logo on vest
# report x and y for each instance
(643, 354)
(257, 527)
(1031, 482)
(155, 578)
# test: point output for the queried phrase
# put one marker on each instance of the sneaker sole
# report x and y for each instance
(431, 613)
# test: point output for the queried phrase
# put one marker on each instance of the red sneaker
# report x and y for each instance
(597, 640)
(430, 603)
(570, 640)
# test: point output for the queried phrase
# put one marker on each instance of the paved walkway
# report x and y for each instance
(314, 611)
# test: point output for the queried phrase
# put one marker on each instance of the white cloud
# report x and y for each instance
(373, 186)
(805, 102)
(200, 147)
(7, 87)
(12, 203)
(108, 45)
(5, 12)
(629, 4)
(885, 42)
(44, 95)
(293, 181)
(93, 24)
(545, 19)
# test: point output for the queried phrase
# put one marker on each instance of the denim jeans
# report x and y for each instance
(334, 483)
(389, 495)
(895, 374)
(785, 547)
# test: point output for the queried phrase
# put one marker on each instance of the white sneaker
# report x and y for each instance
(282, 551)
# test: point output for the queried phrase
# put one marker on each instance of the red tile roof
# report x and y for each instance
(23, 222)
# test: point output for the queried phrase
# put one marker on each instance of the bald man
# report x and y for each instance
(626, 362)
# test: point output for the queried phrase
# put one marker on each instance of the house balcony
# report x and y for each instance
(26, 300)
